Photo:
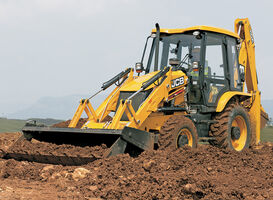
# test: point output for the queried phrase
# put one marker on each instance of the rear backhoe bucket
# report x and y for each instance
(264, 118)
(127, 140)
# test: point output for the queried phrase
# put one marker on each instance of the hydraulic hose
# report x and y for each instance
(116, 78)
(155, 78)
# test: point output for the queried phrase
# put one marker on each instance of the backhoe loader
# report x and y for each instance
(192, 84)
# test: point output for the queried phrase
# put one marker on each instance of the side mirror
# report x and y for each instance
(242, 73)
(139, 67)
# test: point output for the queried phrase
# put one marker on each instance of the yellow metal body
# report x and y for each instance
(239, 144)
(247, 59)
(147, 116)
(224, 99)
(86, 106)
(196, 28)
(185, 132)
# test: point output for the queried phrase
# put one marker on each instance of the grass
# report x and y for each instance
(267, 134)
(15, 125)
(11, 125)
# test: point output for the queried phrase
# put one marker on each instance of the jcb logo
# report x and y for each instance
(178, 81)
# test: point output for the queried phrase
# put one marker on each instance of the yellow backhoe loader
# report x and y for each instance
(192, 84)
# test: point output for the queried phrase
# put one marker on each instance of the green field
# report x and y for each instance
(14, 125)
(267, 134)
(11, 125)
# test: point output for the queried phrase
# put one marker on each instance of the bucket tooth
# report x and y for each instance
(117, 148)
(137, 138)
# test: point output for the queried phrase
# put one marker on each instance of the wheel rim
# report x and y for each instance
(239, 144)
(184, 138)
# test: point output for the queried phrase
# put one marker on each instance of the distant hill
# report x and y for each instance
(65, 107)
(54, 107)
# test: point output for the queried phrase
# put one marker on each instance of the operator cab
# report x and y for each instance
(209, 59)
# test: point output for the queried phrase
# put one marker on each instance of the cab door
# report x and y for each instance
(233, 65)
(214, 69)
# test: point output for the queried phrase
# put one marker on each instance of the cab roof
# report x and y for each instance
(198, 28)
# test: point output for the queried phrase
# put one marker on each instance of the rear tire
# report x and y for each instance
(232, 128)
(178, 131)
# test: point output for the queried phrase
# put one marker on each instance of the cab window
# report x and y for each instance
(233, 64)
(214, 68)
(214, 65)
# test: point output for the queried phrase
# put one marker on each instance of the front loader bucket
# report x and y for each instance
(128, 140)
(74, 136)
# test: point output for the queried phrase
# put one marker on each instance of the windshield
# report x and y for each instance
(184, 48)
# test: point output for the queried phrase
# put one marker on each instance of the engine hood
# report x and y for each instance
(138, 81)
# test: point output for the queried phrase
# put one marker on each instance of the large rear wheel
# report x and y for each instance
(232, 128)
(178, 131)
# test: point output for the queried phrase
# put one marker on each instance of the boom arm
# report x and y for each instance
(247, 59)
(247, 53)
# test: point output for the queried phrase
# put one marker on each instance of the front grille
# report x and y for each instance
(136, 100)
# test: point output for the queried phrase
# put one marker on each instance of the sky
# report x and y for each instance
(65, 47)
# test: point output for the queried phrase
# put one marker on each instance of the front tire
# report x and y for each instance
(178, 131)
(232, 128)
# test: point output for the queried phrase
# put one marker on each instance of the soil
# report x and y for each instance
(65, 124)
(203, 173)
(55, 154)
(81, 122)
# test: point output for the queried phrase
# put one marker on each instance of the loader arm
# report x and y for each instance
(109, 103)
(86, 106)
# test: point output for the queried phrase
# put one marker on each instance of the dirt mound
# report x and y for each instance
(203, 173)
(65, 124)
(206, 172)
(7, 139)
(81, 122)
(64, 154)
(45, 152)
